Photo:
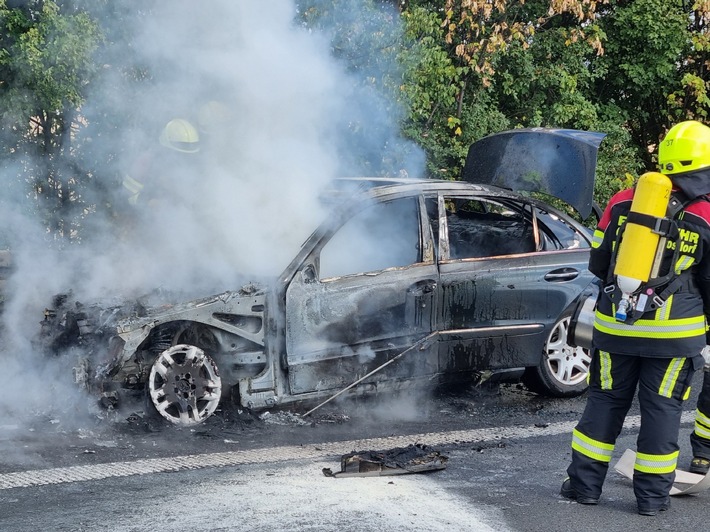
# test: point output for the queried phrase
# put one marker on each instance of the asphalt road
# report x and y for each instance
(507, 451)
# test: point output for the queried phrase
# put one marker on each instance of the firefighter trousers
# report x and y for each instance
(663, 385)
(700, 437)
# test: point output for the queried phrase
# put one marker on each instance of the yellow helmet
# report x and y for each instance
(180, 135)
(685, 148)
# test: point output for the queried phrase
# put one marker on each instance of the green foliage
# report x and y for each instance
(431, 84)
(628, 69)
(646, 41)
(49, 53)
(430, 79)
(618, 164)
(536, 90)
(645, 38)
(688, 98)
(46, 64)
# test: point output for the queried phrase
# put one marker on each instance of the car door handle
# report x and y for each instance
(423, 287)
(563, 274)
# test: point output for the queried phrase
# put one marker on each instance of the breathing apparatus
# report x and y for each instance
(638, 250)
(642, 243)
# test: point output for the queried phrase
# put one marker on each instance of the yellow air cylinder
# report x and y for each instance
(637, 249)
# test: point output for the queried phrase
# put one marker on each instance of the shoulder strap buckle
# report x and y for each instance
(660, 226)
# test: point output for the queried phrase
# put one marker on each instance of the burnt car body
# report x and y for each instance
(409, 281)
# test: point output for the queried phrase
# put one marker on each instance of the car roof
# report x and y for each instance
(557, 162)
(349, 188)
(348, 192)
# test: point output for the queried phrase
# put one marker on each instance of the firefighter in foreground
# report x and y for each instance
(651, 254)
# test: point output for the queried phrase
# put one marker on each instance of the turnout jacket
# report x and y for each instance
(678, 327)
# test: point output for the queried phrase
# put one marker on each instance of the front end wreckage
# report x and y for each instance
(175, 354)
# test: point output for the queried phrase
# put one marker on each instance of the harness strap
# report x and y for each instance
(661, 226)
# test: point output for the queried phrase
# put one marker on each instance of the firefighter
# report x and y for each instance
(657, 346)
(153, 183)
(145, 183)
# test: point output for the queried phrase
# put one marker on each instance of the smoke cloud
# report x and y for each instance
(280, 109)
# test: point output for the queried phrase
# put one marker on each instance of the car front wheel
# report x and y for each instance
(184, 386)
(564, 368)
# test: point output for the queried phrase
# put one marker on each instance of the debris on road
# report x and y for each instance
(415, 458)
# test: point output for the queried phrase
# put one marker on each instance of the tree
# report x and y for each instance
(431, 84)
(443, 73)
(646, 43)
(630, 69)
(689, 98)
(480, 67)
(366, 38)
(46, 63)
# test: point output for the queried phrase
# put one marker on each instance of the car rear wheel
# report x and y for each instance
(564, 368)
(184, 385)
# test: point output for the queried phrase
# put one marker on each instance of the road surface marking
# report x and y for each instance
(61, 475)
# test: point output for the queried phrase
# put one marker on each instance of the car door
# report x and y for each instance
(362, 297)
(504, 280)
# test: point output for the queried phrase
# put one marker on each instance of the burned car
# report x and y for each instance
(409, 281)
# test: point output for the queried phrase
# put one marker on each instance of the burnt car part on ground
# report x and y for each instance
(491, 274)
(415, 458)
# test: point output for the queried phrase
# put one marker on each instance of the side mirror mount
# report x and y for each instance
(309, 274)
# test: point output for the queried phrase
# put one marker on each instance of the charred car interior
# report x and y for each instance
(409, 281)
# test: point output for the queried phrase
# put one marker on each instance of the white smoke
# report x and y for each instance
(246, 201)
(242, 206)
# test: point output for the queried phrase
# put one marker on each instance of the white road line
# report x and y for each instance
(60, 475)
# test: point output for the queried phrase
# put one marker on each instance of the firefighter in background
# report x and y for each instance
(657, 345)
(153, 172)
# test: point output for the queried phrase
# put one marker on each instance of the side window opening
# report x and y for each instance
(481, 228)
(558, 234)
(384, 235)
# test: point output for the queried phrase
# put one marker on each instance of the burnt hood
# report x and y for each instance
(558, 162)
